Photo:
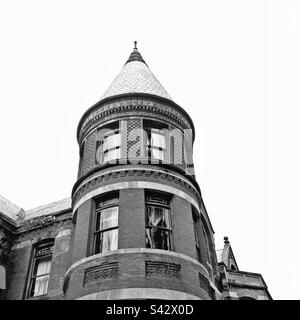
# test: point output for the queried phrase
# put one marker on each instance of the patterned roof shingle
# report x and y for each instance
(18, 215)
(10, 209)
(136, 77)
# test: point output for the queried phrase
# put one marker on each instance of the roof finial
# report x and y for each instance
(135, 45)
(226, 240)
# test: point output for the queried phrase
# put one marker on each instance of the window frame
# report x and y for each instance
(81, 158)
(49, 243)
(207, 243)
(151, 127)
(114, 129)
(97, 219)
(159, 204)
(196, 234)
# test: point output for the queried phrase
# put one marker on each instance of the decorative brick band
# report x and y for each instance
(102, 272)
(147, 251)
(162, 269)
(110, 177)
(129, 107)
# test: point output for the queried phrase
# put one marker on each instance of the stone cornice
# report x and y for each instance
(87, 186)
(42, 222)
(115, 106)
(176, 170)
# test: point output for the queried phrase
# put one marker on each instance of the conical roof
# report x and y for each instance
(136, 77)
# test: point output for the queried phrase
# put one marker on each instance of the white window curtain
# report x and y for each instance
(2, 278)
(109, 148)
(158, 145)
(157, 225)
(42, 277)
(110, 240)
(158, 139)
(111, 141)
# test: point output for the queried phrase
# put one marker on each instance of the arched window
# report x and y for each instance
(40, 268)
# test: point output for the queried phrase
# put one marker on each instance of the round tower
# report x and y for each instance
(140, 228)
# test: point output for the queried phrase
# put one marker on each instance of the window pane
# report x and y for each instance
(108, 218)
(109, 240)
(41, 285)
(158, 154)
(110, 155)
(157, 239)
(157, 217)
(43, 266)
(41, 272)
(158, 139)
(111, 141)
(108, 201)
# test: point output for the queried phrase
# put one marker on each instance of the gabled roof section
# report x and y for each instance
(136, 77)
(50, 208)
(11, 210)
(226, 256)
(16, 215)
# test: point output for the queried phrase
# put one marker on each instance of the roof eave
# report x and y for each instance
(134, 94)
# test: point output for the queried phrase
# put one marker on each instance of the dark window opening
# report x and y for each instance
(81, 154)
(197, 240)
(158, 221)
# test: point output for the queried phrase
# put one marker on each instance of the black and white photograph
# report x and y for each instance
(149, 153)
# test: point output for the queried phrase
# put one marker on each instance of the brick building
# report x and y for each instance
(136, 226)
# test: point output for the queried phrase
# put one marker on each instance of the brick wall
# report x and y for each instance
(183, 231)
(131, 272)
(59, 264)
(132, 218)
(21, 256)
(89, 153)
(18, 273)
(81, 239)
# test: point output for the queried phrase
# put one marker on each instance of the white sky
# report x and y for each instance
(233, 65)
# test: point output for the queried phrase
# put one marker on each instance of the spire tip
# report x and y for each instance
(135, 45)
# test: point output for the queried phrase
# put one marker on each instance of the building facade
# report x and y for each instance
(135, 226)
